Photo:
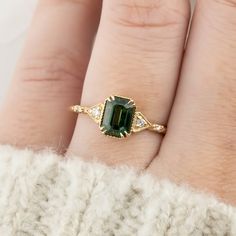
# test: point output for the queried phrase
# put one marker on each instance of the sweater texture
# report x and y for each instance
(43, 194)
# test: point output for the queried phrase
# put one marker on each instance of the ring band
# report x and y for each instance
(117, 117)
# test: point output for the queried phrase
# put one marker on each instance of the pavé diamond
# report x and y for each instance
(77, 108)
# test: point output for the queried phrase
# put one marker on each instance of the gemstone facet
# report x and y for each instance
(118, 116)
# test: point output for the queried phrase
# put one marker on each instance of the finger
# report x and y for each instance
(50, 74)
(200, 147)
(137, 54)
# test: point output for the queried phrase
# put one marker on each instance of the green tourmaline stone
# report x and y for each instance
(118, 117)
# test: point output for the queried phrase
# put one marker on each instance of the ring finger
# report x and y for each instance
(137, 54)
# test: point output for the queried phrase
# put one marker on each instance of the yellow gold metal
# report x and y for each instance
(146, 124)
(95, 112)
(140, 122)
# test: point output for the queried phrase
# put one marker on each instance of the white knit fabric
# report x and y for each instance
(42, 194)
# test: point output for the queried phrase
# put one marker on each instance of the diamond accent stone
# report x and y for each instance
(140, 122)
(95, 112)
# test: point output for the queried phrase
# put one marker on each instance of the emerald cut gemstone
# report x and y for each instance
(118, 116)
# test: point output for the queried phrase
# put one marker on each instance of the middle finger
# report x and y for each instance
(200, 147)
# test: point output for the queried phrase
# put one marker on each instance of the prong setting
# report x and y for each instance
(117, 117)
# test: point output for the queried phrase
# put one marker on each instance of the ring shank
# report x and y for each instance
(160, 129)
(79, 109)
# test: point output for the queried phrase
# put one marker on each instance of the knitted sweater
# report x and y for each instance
(44, 194)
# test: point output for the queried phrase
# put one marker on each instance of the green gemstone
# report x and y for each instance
(118, 117)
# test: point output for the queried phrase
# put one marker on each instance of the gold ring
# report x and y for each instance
(117, 117)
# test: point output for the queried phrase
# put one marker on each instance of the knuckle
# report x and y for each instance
(231, 3)
(53, 71)
(148, 14)
(219, 14)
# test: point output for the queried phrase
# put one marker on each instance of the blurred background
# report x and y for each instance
(15, 16)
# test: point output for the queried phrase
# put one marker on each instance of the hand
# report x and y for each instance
(137, 53)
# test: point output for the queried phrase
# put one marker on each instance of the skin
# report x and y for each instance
(138, 53)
